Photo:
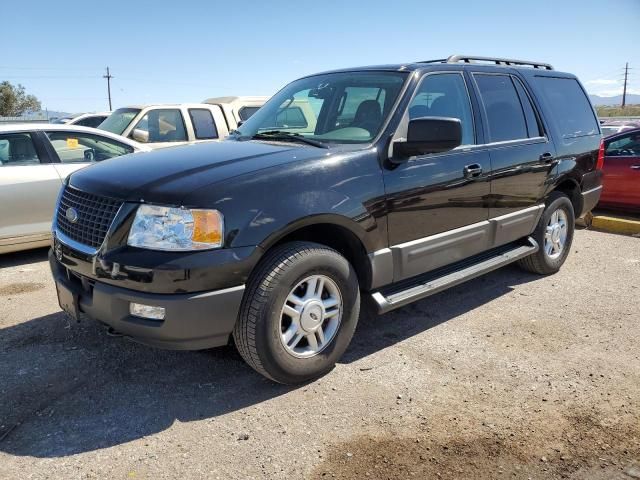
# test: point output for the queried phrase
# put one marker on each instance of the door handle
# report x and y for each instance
(472, 171)
(635, 167)
(546, 157)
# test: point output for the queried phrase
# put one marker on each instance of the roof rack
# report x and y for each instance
(496, 61)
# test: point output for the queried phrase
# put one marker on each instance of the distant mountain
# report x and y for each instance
(617, 100)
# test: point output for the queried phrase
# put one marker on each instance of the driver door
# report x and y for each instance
(438, 203)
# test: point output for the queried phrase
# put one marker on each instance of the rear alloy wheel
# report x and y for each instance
(299, 312)
(554, 235)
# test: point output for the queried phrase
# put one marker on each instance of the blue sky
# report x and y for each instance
(191, 50)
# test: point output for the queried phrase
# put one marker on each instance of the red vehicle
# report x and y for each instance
(621, 180)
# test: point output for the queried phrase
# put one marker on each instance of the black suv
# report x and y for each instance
(386, 183)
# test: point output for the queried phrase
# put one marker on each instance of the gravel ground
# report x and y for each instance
(507, 376)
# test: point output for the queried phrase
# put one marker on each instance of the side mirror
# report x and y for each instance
(140, 135)
(429, 135)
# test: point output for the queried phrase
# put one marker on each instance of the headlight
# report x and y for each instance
(178, 229)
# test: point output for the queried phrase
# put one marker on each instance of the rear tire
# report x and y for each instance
(554, 234)
(299, 312)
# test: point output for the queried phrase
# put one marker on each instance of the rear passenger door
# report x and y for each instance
(522, 155)
(29, 186)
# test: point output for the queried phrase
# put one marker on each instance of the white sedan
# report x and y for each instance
(34, 160)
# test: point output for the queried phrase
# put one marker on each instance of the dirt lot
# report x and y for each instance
(507, 376)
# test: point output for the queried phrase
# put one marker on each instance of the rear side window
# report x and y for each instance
(245, 112)
(17, 149)
(203, 124)
(569, 105)
(533, 125)
(503, 107)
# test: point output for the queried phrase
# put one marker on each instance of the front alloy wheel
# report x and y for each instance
(311, 316)
(299, 312)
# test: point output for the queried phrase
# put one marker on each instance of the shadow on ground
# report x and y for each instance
(23, 258)
(68, 388)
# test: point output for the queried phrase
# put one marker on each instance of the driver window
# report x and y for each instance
(78, 147)
(160, 125)
(629, 145)
(444, 95)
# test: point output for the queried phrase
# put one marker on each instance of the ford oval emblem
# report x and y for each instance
(71, 214)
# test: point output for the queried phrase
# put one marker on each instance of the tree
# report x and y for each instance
(14, 101)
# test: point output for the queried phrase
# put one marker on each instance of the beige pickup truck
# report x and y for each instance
(163, 125)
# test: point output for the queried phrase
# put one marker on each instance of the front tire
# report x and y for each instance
(554, 234)
(299, 312)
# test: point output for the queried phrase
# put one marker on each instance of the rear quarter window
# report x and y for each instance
(569, 105)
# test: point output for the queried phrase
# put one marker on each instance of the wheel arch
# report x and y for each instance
(571, 189)
(333, 231)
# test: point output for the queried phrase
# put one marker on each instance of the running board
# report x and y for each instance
(423, 286)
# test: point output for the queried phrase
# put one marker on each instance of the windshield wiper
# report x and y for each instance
(288, 136)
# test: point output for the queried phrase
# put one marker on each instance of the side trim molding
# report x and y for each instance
(409, 259)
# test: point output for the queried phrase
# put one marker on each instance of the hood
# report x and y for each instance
(168, 175)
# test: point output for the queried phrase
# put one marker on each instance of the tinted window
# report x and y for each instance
(73, 147)
(533, 126)
(17, 149)
(245, 112)
(203, 123)
(503, 108)
(92, 122)
(160, 125)
(444, 95)
(625, 146)
(569, 105)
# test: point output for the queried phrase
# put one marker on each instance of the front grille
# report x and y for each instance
(95, 215)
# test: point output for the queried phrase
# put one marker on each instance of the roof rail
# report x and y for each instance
(496, 61)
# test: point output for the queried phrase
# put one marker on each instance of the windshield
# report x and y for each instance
(119, 120)
(348, 107)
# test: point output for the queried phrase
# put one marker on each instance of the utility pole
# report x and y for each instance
(624, 91)
(108, 76)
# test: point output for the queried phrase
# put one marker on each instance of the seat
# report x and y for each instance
(368, 116)
(21, 149)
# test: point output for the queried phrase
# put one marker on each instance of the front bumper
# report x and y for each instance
(192, 321)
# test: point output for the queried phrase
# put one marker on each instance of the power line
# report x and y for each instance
(108, 76)
(624, 90)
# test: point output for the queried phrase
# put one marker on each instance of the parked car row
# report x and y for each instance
(92, 120)
(613, 126)
(162, 125)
